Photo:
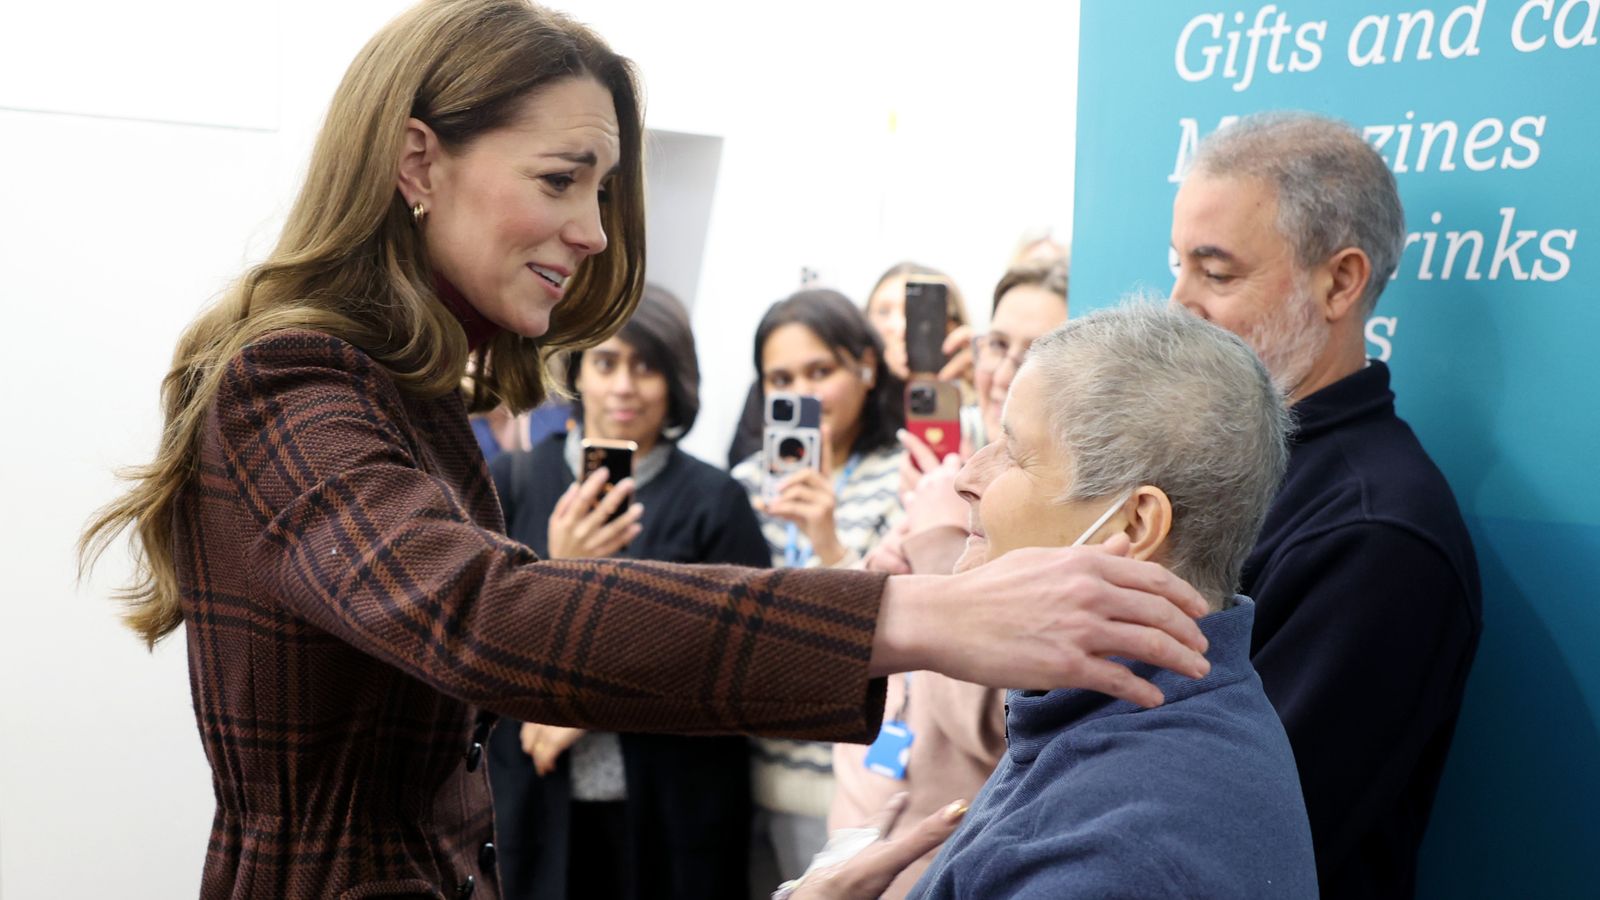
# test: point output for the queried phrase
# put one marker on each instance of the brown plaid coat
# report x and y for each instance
(355, 616)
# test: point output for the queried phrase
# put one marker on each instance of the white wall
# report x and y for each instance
(681, 170)
(854, 135)
(138, 183)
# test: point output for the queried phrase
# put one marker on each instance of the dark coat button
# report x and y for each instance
(474, 756)
(486, 857)
(485, 723)
(467, 887)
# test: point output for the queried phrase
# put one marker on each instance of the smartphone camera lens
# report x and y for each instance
(782, 410)
(923, 400)
(792, 450)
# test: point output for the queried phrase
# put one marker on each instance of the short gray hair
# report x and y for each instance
(1334, 190)
(1150, 394)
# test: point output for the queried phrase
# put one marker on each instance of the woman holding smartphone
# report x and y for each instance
(318, 520)
(830, 515)
(886, 310)
(595, 814)
(816, 343)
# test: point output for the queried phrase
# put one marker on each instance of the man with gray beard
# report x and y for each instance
(1286, 230)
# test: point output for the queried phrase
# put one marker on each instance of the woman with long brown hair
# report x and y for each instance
(319, 516)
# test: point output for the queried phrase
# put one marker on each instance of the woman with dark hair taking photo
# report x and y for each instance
(885, 310)
(320, 519)
(817, 343)
(597, 814)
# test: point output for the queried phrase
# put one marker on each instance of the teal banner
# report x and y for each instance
(1487, 113)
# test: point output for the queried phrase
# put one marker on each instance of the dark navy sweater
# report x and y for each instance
(1369, 615)
(687, 814)
(1097, 797)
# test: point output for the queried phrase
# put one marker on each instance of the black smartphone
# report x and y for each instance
(927, 319)
(617, 459)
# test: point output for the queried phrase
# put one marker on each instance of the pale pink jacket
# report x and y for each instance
(958, 729)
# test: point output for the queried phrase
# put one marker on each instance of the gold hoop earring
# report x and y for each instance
(418, 212)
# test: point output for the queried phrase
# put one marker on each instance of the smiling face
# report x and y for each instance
(1012, 485)
(795, 360)
(1024, 314)
(624, 398)
(1237, 270)
(512, 215)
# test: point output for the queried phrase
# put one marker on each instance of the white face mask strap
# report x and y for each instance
(1104, 518)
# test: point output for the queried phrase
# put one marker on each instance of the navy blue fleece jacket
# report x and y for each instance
(1368, 617)
(1098, 797)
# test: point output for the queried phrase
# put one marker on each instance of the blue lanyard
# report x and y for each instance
(794, 556)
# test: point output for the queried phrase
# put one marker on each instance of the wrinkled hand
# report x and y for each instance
(578, 527)
(546, 743)
(869, 873)
(1046, 619)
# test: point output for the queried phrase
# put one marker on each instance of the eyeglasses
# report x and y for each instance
(990, 350)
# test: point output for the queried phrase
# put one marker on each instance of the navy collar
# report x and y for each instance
(1360, 394)
(1034, 719)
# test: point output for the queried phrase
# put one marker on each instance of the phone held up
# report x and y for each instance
(616, 457)
(792, 440)
(933, 407)
(933, 414)
(927, 320)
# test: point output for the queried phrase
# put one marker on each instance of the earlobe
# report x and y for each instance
(867, 367)
(1149, 517)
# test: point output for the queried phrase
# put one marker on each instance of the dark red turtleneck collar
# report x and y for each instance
(479, 330)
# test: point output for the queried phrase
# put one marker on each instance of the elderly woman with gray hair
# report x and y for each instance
(1156, 435)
